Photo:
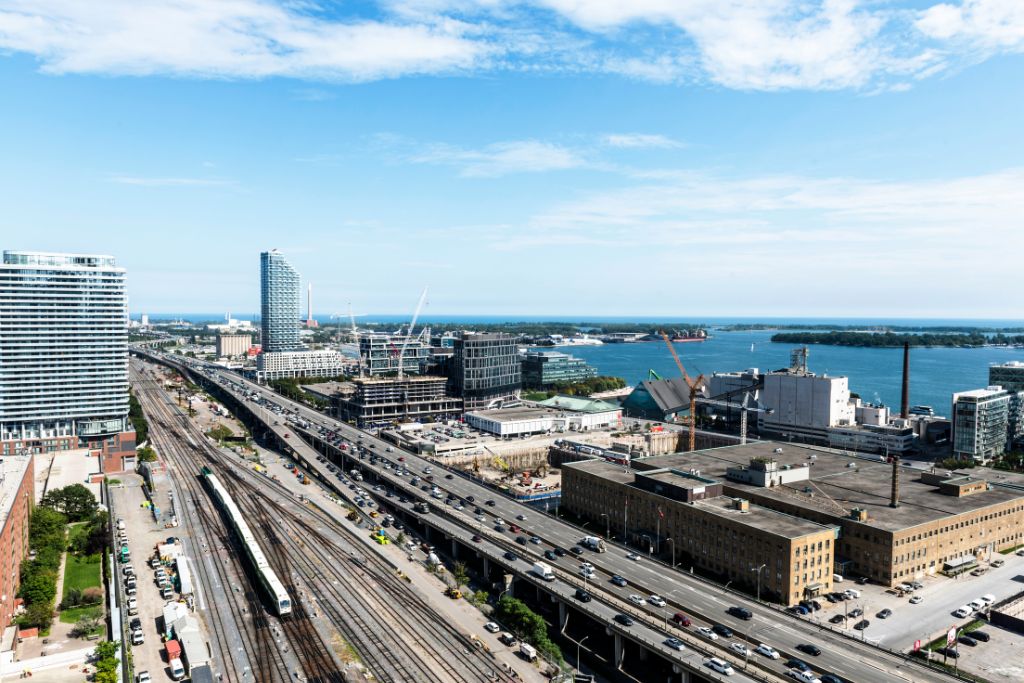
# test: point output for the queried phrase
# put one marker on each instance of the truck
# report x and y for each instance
(529, 652)
(173, 650)
(593, 543)
(543, 571)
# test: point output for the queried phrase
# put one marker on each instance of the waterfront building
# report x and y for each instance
(981, 423)
(558, 414)
(543, 369)
(1009, 375)
(803, 406)
(895, 524)
(17, 495)
(662, 399)
(485, 370)
(229, 345)
(279, 303)
(379, 353)
(64, 355)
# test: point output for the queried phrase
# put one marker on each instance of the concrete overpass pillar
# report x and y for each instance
(455, 549)
(619, 651)
(684, 674)
(427, 532)
(563, 616)
(487, 568)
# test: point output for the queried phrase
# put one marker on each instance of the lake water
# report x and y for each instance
(875, 374)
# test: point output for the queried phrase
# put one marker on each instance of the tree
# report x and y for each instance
(39, 587)
(46, 522)
(39, 615)
(107, 649)
(76, 501)
(459, 574)
(146, 454)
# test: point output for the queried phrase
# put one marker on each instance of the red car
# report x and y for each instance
(681, 619)
(513, 528)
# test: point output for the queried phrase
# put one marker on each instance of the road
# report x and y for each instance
(841, 655)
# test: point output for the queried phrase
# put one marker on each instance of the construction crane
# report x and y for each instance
(405, 344)
(725, 400)
(694, 386)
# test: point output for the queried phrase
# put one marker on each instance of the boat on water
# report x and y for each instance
(751, 347)
(696, 335)
(576, 340)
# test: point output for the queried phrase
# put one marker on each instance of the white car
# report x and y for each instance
(657, 601)
(636, 599)
(739, 648)
(143, 677)
(634, 557)
(491, 627)
(767, 650)
(707, 633)
(916, 600)
(720, 665)
(675, 644)
(803, 676)
(962, 612)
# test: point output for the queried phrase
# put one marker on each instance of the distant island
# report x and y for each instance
(864, 327)
(890, 339)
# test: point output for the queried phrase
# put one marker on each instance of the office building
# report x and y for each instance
(981, 423)
(485, 370)
(17, 495)
(285, 364)
(685, 517)
(379, 402)
(279, 299)
(230, 345)
(1009, 375)
(64, 355)
(544, 369)
(379, 354)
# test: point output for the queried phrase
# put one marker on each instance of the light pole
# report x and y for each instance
(579, 647)
(673, 542)
(758, 570)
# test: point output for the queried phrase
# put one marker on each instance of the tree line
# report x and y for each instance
(892, 339)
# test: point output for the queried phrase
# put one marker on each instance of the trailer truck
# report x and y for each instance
(593, 543)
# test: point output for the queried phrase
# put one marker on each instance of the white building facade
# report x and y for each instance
(283, 364)
(63, 350)
(803, 406)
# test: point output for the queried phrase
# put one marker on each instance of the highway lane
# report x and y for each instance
(843, 656)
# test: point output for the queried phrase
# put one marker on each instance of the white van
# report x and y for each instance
(177, 670)
(852, 592)
(719, 665)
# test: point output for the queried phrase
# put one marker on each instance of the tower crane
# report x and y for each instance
(693, 384)
(405, 344)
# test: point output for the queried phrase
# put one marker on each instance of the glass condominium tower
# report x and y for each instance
(279, 303)
(63, 350)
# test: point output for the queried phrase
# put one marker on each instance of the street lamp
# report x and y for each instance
(758, 570)
(579, 646)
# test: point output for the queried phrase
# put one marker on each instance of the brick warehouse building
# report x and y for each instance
(17, 477)
(895, 524)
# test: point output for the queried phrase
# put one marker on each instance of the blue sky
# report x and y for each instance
(649, 157)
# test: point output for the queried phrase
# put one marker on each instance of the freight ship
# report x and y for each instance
(696, 335)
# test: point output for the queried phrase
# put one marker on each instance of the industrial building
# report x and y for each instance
(895, 523)
(379, 353)
(485, 370)
(64, 355)
(559, 414)
(986, 422)
(17, 494)
(543, 369)
(684, 516)
(377, 402)
(231, 345)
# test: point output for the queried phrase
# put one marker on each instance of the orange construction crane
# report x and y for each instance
(693, 384)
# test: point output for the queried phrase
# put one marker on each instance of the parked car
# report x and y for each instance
(837, 619)
(862, 624)
(916, 600)
(884, 614)
(967, 640)
(981, 635)
(491, 627)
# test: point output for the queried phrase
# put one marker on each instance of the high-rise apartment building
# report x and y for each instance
(1008, 375)
(63, 353)
(486, 370)
(279, 299)
(981, 423)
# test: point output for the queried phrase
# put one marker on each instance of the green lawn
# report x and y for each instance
(71, 616)
(81, 572)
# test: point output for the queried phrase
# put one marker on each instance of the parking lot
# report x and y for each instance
(997, 660)
(143, 536)
(939, 597)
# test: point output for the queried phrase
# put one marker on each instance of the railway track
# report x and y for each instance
(398, 636)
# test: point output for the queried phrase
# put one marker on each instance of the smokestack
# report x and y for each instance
(894, 497)
(905, 399)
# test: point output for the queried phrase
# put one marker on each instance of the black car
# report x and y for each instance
(862, 624)
(831, 598)
(981, 635)
(797, 664)
(884, 614)
(949, 652)
(741, 612)
(135, 623)
(829, 678)
(521, 540)
(576, 550)
(498, 527)
(449, 476)
(810, 649)
(856, 612)
(863, 580)
(470, 499)
(560, 552)
(582, 595)
(550, 555)
(490, 503)
(511, 557)
(722, 630)
(624, 619)
(837, 619)
(967, 640)
(476, 538)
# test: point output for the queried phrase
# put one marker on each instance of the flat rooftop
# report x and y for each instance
(852, 482)
(12, 472)
(758, 516)
(680, 479)
(516, 414)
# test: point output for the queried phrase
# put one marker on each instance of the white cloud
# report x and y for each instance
(984, 24)
(519, 156)
(171, 182)
(230, 38)
(640, 140)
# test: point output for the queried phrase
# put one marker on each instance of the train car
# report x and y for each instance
(264, 572)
